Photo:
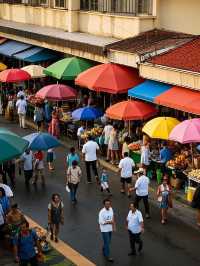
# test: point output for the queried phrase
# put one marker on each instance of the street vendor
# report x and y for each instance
(165, 153)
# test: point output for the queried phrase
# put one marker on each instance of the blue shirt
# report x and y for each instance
(104, 177)
(26, 245)
(165, 155)
(72, 157)
(5, 204)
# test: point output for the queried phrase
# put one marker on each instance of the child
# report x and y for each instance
(104, 181)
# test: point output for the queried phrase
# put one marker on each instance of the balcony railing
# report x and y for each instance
(37, 3)
(129, 7)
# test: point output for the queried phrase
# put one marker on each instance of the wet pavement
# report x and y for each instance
(174, 244)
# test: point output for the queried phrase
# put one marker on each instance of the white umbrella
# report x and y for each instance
(36, 71)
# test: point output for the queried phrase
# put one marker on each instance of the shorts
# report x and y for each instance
(104, 185)
(50, 157)
(127, 180)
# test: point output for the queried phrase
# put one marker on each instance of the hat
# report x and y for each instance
(140, 170)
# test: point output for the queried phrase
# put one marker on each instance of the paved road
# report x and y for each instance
(174, 244)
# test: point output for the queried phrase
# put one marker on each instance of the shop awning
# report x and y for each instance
(180, 98)
(10, 48)
(36, 54)
(148, 90)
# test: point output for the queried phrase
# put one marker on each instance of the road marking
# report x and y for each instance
(65, 249)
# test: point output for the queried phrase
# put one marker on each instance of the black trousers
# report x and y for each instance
(88, 165)
(145, 201)
(33, 262)
(28, 174)
(135, 239)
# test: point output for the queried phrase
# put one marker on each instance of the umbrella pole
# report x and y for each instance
(104, 101)
(192, 153)
(86, 124)
(129, 128)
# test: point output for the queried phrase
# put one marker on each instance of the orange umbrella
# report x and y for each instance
(130, 110)
(110, 78)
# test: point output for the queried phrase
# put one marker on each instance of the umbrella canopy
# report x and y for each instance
(2, 67)
(160, 127)
(68, 68)
(14, 75)
(36, 71)
(11, 145)
(110, 78)
(86, 113)
(41, 141)
(186, 132)
(57, 92)
(130, 110)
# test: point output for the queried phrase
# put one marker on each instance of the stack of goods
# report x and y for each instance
(195, 173)
(134, 146)
(66, 117)
(42, 235)
(34, 100)
(180, 161)
(94, 132)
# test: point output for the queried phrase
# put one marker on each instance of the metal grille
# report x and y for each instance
(131, 7)
(50, 3)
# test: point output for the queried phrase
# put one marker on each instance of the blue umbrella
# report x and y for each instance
(86, 113)
(41, 141)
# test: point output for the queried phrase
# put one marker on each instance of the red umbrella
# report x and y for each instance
(110, 78)
(56, 92)
(130, 110)
(14, 75)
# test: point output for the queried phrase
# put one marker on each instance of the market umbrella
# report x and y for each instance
(86, 113)
(11, 145)
(36, 71)
(160, 127)
(14, 75)
(56, 92)
(2, 67)
(130, 110)
(110, 78)
(41, 141)
(68, 68)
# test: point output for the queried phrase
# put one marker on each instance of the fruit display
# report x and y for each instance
(194, 173)
(134, 146)
(95, 132)
(180, 161)
(34, 100)
(65, 117)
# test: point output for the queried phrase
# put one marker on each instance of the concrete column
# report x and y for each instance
(73, 15)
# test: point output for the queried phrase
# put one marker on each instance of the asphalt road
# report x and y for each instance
(174, 244)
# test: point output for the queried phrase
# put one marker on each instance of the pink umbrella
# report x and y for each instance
(56, 92)
(186, 132)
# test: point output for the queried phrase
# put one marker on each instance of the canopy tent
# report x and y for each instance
(180, 98)
(36, 54)
(9, 48)
(148, 90)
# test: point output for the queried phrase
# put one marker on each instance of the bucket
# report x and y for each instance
(190, 193)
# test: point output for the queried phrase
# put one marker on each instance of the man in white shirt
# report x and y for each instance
(90, 149)
(142, 190)
(27, 158)
(106, 133)
(21, 106)
(135, 226)
(126, 166)
(107, 226)
(6, 188)
(21, 93)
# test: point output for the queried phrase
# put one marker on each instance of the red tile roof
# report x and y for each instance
(186, 57)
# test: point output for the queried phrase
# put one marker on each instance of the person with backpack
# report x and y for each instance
(24, 246)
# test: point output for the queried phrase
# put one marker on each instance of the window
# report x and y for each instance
(44, 2)
(144, 6)
(59, 4)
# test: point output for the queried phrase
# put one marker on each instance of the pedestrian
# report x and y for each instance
(38, 116)
(104, 181)
(27, 159)
(196, 204)
(50, 159)
(113, 144)
(125, 147)
(47, 112)
(107, 226)
(39, 167)
(89, 150)
(54, 125)
(24, 246)
(80, 131)
(8, 168)
(55, 215)
(106, 133)
(72, 156)
(73, 179)
(145, 155)
(4, 200)
(21, 106)
(135, 226)
(164, 198)
(6, 188)
(126, 166)
(142, 191)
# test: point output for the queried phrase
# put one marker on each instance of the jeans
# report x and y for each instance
(135, 238)
(73, 190)
(145, 200)
(33, 262)
(28, 174)
(94, 168)
(106, 243)
(22, 120)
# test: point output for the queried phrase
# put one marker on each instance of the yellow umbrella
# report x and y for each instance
(36, 71)
(160, 127)
(2, 67)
